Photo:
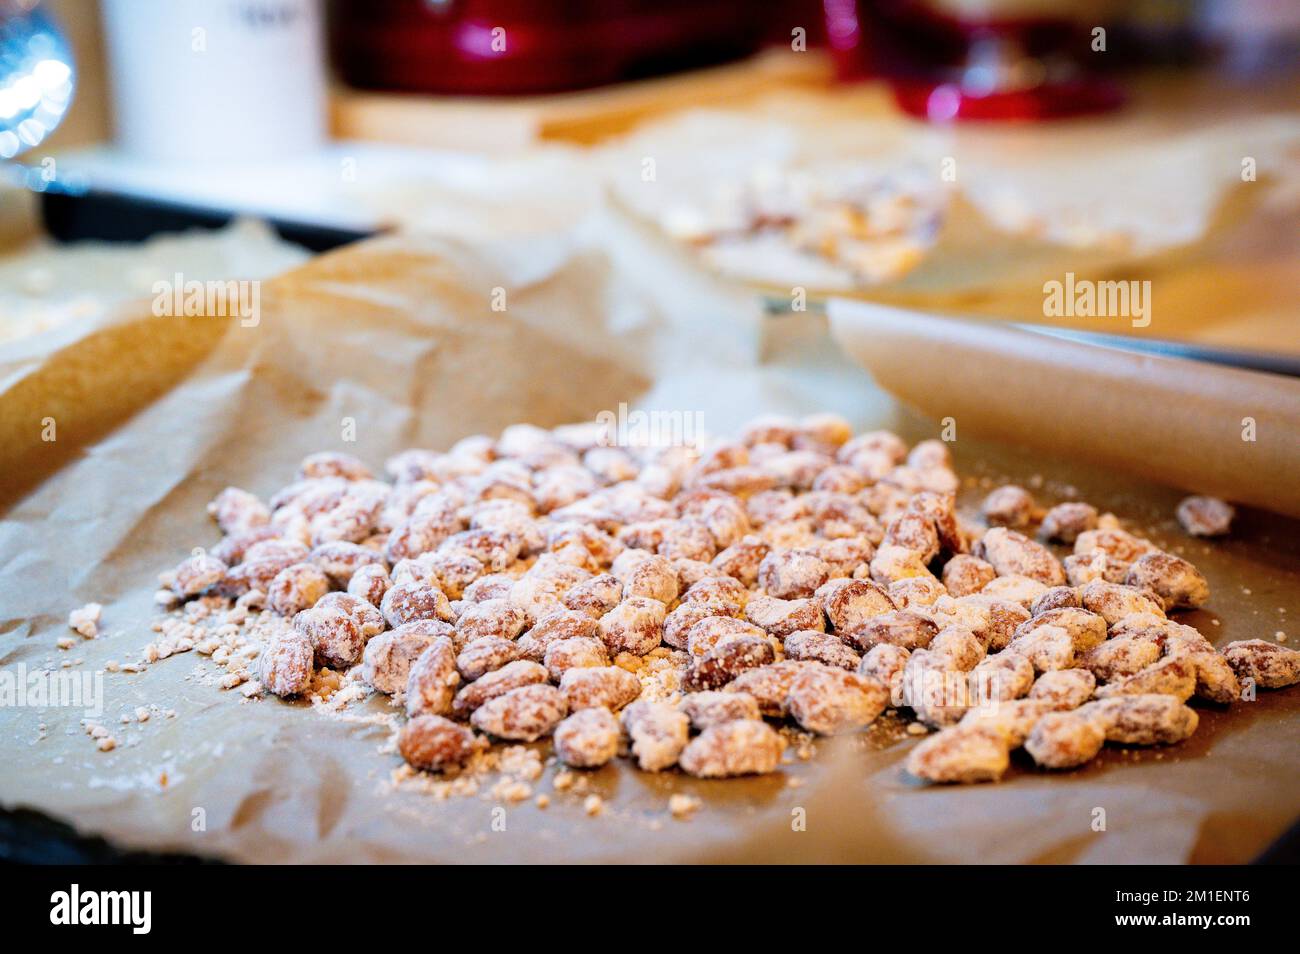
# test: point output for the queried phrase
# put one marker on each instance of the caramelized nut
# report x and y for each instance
(739, 747)
(433, 743)
(587, 739)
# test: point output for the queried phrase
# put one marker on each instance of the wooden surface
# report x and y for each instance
(583, 117)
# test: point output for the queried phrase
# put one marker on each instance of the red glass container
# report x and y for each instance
(534, 46)
(973, 59)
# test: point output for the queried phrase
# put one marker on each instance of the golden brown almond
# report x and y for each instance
(513, 675)
(1179, 584)
(1009, 506)
(711, 708)
(485, 654)
(285, 667)
(739, 747)
(812, 646)
(1064, 688)
(1063, 740)
(828, 701)
(524, 714)
(606, 687)
(1205, 516)
(1266, 664)
(726, 660)
(1154, 719)
(433, 743)
(386, 662)
(587, 739)
(1066, 521)
(432, 681)
(961, 753)
(1011, 552)
(659, 733)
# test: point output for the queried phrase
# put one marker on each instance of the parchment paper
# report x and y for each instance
(157, 415)
(1140, 190)
(1199, 426)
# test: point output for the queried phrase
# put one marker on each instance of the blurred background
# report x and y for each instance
(940, 154)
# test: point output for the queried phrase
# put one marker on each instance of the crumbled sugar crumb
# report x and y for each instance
(511, 790)
(593, 805)
(683, 806)
(85, 621)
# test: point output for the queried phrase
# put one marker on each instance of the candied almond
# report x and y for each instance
(370, 583)
(711, 708)
(828, 700)
(1268, 665)
(1011, 552)
(386, 662)
(1120, 656)
(550, 629)
(814, 646)
(961, 753)
(609, 687)
(965, 574)
(408, 602)
(659, 732)
(1114, 601)
(594, 597)
(433, 743)
(576, 652)
(495, 618)
(511, 676)
(432, 681)
(524, 714)
(1009, 506)
(1012, 720)
(1062, 740)
(1001, 678)
(1175, 676)
(1154, 719)
(899, 628)
(1205, 516)
(792, 574)
(1064, 688)
(635, 625)
(587, 738)
(1178, 584)
(769, 685)
(728, 658)
(484, 654)
(886, 663)
(199, 573)
(1066, 521)
(1056, 597)
(285, 667)
(334, 633)
(738, 747)
(779, 618)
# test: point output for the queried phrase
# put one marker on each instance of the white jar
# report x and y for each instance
(216, 79)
